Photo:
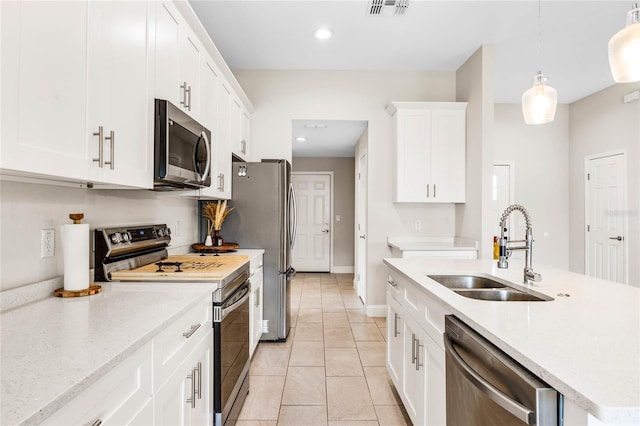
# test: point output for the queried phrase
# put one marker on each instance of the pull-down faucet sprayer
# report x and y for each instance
(505, 244)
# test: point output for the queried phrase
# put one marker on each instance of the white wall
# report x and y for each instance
(540, 155)
(600, 123)
(27, 208)
(475, 85)
(281, 96)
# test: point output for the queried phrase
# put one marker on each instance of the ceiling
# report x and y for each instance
(431, 35)
(326, 138)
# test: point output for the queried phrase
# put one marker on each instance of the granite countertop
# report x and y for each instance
(53, 349)
(427, 243)
(587, 345)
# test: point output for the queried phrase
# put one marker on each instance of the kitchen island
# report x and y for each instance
(585, 343)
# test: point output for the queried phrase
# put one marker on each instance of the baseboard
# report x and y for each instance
(376, 310)
(342, 270)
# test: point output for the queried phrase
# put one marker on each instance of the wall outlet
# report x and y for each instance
(47, 243)
(418, 224)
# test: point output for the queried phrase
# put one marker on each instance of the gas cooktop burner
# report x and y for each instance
(160, 265)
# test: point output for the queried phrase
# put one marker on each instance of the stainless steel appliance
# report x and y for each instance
(487, 387)
(265, 217)
(138, 253)
(183, 153)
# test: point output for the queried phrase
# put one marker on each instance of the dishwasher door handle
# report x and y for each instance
(518, 410)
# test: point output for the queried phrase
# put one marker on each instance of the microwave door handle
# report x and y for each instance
(207, 145)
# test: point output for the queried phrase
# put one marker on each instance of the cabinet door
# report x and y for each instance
(435, 402)
(414, 371)
(413, 152)
(395, 341)
(44, 61)
(223, 142)
(201, 364)
(189, 65)
(245, 128)
(256, 312)
(448, 155)
(118, 95)
(235, 127)
(167, 45)
(171, 407)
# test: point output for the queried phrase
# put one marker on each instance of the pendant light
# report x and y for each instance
(540, 101)
(624, 49)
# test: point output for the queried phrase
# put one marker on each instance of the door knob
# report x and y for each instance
(326, 231)
(619, 238)
(363, 236)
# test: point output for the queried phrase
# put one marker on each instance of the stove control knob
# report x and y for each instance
(161, 232)
(115, 238)
(126, 236)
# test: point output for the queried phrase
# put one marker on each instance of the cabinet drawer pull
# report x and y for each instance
(413, 348)
(418, 363)
(392, 283)
(191, 331)
(100, 135)
(112, 139)
(97, 423)
(198, 391)
(396, 333)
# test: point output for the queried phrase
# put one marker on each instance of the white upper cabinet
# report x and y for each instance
(119, 114)
(430, 140)
(44, 76)
(74, 69)
(178, 55)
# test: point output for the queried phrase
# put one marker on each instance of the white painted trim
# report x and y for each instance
(331, 214)
(512, 178)
(342, 269)
(587, 200)
(376, 310)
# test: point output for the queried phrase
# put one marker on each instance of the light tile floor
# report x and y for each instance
(331, 370)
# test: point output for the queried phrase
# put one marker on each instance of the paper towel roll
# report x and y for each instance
(75, 251)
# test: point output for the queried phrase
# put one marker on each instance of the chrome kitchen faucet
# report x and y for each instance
(505, 244)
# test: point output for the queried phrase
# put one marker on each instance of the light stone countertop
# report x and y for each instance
(587, 346)
(53, 349)
(428, 244)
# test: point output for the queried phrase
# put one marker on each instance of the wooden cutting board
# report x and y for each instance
(194, 267)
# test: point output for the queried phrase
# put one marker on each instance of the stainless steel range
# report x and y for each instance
(139, 253)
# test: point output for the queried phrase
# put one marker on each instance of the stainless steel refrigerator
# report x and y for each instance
(265, 217)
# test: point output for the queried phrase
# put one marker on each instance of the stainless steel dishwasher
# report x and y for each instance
(486, 387)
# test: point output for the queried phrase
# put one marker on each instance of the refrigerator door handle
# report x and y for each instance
(293, 208)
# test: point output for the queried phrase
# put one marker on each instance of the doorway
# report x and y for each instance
(360, 277)
(314, 199)
(605, 216)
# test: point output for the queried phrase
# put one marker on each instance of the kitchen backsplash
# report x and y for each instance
(27, 208)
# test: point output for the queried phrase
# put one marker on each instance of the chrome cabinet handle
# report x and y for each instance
(192, 377)
(189, 97)
(257, 299)
(244, 146)
(427, 190)
(221, 182)
(418, 363)
(396, 333)
(413, 348)
(112, 140)
(199, 370)
(100, 135)
(97, 423)
(434, 190)
(392, 283)
(183, 102)
(191, 331)
(364, 237)
(619, 238)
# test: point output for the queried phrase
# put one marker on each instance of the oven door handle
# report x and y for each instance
(236, 305)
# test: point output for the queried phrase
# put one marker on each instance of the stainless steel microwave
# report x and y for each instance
(183, 154)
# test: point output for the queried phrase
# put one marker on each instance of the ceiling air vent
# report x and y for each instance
(388, 7)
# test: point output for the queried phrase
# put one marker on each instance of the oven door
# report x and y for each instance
(231, 355)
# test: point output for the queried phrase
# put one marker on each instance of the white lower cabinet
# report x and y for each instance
(255, 300)
(121, 397)
(166, 382)
(415, 360)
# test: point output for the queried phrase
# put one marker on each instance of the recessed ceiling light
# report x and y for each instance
(322, 33)
(301, 139)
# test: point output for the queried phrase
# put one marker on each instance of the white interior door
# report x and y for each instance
(361, 228)
(605, 218)
(312, 251)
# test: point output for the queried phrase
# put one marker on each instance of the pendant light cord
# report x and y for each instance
(539, 36)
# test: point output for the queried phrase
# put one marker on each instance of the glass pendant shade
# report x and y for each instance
(539, 102)
(624, 50)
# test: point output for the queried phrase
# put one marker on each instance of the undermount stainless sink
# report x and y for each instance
(487, 288)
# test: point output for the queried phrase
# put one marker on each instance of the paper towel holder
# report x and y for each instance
(76, 217)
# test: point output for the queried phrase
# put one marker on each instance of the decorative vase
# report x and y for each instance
(217, 239)
(208, 241)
